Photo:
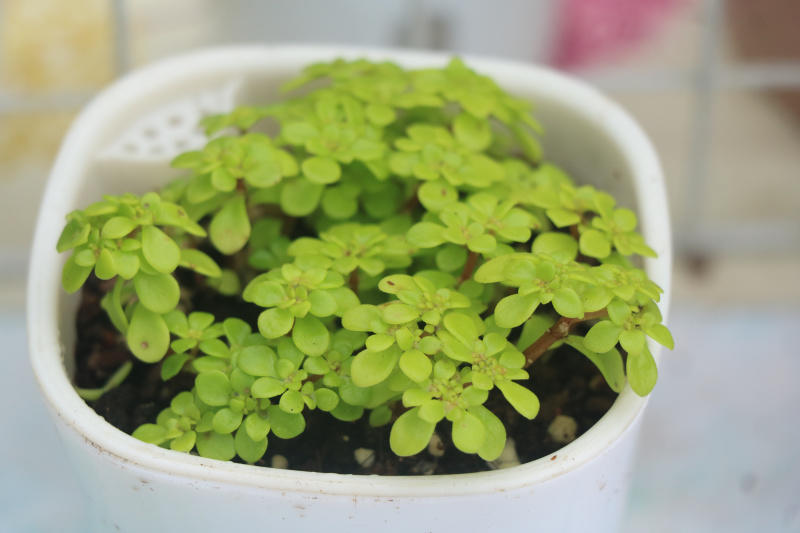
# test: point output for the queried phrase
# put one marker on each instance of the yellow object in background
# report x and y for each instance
(50, 45)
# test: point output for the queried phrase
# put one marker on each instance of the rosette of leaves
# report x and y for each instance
(222, 172)
(406, 256)
(297, 295)
(125, 238)
(478, 224)
(244, 390)
(354, 248)
(430, 152)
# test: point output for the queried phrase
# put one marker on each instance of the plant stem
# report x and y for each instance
(573, 230)
(412, 202)
(557, 331)
(353, 281)
(469, 268)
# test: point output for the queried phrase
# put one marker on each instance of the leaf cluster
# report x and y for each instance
(409, 251)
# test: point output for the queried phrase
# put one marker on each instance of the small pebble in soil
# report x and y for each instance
(436, 446)
(563, 429)
(364, 457)
(424, 468)
(279, 461)
(508, 457)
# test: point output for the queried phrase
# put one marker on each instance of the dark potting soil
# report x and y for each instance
(565, 381)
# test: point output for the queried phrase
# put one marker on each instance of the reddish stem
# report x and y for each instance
(469, 268)
(557, 331)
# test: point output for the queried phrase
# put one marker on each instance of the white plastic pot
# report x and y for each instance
(123, 140)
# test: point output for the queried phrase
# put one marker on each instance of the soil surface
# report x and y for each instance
(565, 381)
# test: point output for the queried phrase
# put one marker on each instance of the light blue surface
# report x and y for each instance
(38, 491)
(720, 448)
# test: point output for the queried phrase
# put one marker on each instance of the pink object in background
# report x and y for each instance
(591, 30)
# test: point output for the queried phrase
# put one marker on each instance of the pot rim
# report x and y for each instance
(45, 295)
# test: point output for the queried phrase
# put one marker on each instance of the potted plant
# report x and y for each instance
(404, 250)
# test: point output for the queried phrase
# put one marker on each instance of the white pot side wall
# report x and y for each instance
(134, 486)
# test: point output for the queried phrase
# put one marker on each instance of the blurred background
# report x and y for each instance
(716, 85)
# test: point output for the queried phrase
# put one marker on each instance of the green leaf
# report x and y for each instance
(172, 365)
(311, 336)
(267, 387)
(291, 401)
(222, 180)
(642, 372)
(184, 443)
(112, 304)
(230, 228)
(117, 227)
(322, 170)
(515, 309)
(160, 250)
(257, 426)
(363, 318)
(562, 217)
(370, 368)
(462, 327)
(495, 433)
(226, 420)
(436, 195)
(625, 219)
(126, 264)
(399, 313)
(104, 268)
(323, 303)
(567, 303)
(199, 262)
(534, 328)
(285, 425)
(346, 412)
(249, 449)
(454, 348)
(147, 336)
(410, 434)
(274, 323)
(608, 363)
(523, 400)
(450, 257)
(74, 234)
(213, 388)
(339, 202)
(299, 132)
(474, 133)
(264, 293)
(618, 311)
(299, 197)
(558, 245)
(327, 400)
(151, 433)
(158, 292)
(257, 360)
(380, 416)
(468, 433)
(594, 244)
(416, 365)
(73, 276)
(431, 410)
(632, 340)
(215, 446)
(602, 337)
(425, 235)
(660, 334)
